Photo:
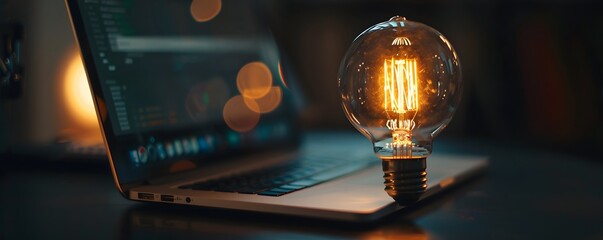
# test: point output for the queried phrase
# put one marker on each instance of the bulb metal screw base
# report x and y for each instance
(405, 179)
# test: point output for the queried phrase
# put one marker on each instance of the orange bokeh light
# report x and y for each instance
(76, 93)
(254, 80)
(267, 103)
(205, 10)
(238, 116)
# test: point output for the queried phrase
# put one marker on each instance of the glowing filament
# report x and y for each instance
(400, 86)
(401, 99)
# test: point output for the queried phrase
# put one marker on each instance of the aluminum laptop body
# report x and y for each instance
(192, 94)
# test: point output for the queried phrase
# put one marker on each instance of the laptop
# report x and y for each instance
(195, 110)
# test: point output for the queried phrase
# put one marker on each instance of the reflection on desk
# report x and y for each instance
(524, 194)
(146, 221)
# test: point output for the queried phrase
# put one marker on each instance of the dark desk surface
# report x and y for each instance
(525, 194)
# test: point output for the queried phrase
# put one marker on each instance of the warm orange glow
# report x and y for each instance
(238, 116)
(447, 182)
(181, 165)
(205, 10)
(396, 231)
(267, 103)
(254, 80)
(400, 85)
(401, 101)
(76, 92)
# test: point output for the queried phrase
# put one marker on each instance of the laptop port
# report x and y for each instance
(146, 196)
(167, 198)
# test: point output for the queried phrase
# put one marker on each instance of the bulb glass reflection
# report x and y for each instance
(400, 84)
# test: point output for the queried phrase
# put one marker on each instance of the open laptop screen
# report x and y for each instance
(181, 84)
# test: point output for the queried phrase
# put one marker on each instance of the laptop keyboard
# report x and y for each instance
(278, 181)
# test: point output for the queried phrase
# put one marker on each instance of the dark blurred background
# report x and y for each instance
(532, 70)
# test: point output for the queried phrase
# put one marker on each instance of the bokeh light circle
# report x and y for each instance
(267, 103)
(205, 10)
(238, 116)
(254, 80)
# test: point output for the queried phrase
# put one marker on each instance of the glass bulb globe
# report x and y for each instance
(400, 84)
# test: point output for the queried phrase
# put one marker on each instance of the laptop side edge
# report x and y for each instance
(80, 35)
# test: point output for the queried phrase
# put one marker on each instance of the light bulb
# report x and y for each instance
(400, 84)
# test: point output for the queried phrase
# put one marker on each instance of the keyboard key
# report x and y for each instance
(250, 190)
(281, 190)
(292, 187)
(270, 193)
(305, 182)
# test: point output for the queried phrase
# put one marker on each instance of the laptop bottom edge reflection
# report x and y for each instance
(357, 196)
